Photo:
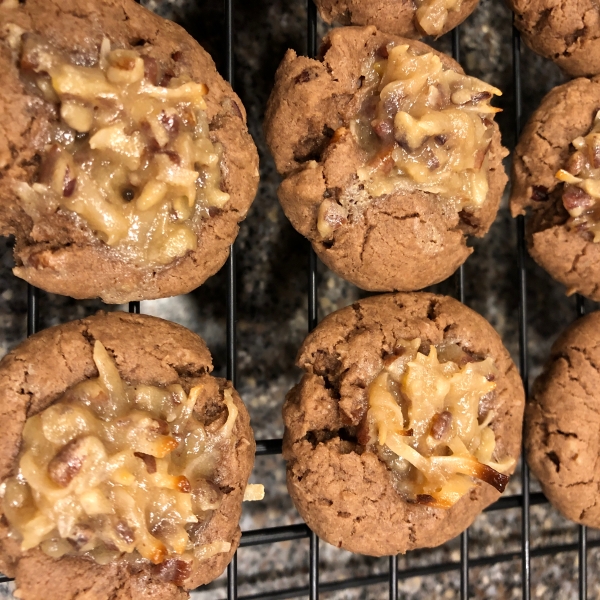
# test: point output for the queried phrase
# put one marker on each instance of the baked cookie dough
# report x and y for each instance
(126, 161)
(123, 462)
(405, 425)
(390, 157)
(408, 18)
(566, 31)
(562, 423)
(556, 178)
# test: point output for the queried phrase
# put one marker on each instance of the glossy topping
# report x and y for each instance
(130, 152)
(581, 176)
(424, 127)
(432, 15)
(429, 420)
(113, 470)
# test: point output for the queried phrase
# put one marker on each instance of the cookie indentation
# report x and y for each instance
(113, 469)
(424, 422)
(130, 152)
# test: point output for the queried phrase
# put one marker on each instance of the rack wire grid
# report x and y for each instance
(525, 500)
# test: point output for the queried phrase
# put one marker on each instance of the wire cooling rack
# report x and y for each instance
(524, 501)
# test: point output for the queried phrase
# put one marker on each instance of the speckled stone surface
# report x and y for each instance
(272, 305)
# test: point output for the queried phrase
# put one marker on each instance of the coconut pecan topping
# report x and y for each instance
(424, 421)
(130, 153)
(423, 126)
(113, 469)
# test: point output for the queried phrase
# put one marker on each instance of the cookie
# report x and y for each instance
(562, 423)
(405, 425)
(556, 173)
(123, 462)
(389, 155)
(408, 18)
(568, 32)
(126, 160)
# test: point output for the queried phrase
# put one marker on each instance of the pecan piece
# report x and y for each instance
(539, 193)
(149, 461)
(575, 200)
(331, 217)
(173, 570)
(440, 425)
(67, 462)
(575, 163)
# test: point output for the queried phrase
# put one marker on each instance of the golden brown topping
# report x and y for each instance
(581, 176)
(112, 469)
(435, 123)
(134, 159)
(432, 15)
(425, 127)
(424, 418)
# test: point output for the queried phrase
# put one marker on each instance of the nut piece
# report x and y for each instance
(173, 571)
(77, 116)
(253, 492)
(126, 66)
(431, 15)
(67, 463)
(331, 217)
(149, 461)
(441, 425)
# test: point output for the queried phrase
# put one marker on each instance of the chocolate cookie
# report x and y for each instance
(390, 157)
(556, 173)
(123, 462)
(408, 18)
(126, 161)
(405, 425)
(562, 423)
(567, 31)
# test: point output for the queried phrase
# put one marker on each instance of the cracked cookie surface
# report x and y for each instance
(344, 491)
(403, 240)
(567, 31)
(571, 256)
(398, 17)
(56, 249)
(147, 351)
(562, 423)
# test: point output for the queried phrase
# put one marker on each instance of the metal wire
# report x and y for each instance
(435, 569)
(33, 316)
(582, 544)
(393, 578)
(582, 547)
(264, 447)
(460, 279)
(523, 355)
(313, 316)
(231, 271)
(286, 533)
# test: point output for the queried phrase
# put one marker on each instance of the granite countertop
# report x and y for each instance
(272, 308)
